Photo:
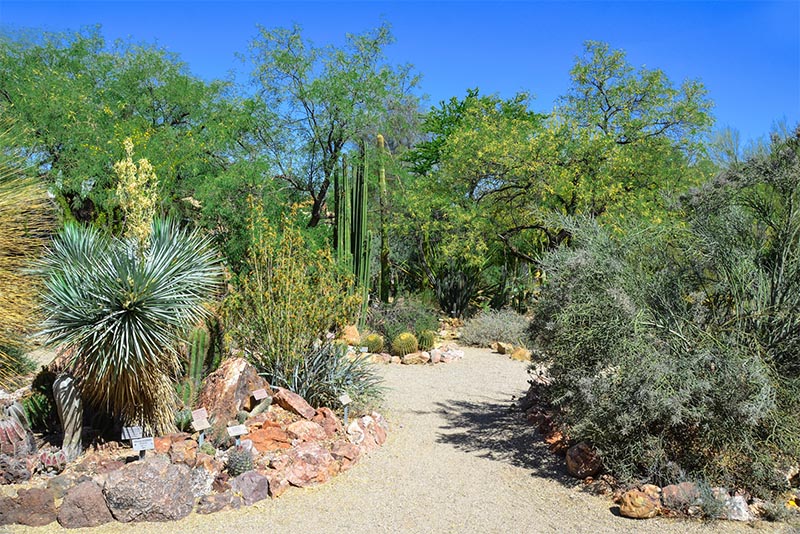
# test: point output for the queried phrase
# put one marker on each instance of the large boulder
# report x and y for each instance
(306, 431)
(583, 461)
(33, 507)
(84, 506)
(150, 490)
(229, 389)
(270, 438)
(294, 403)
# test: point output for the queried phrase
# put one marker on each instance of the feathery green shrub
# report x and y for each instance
(491, 326)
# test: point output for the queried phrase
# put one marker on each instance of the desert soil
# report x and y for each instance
(458, 460)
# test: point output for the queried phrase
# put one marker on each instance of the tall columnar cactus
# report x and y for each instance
(352, 237)
(70, 412)
(198, 349)
(384, 281)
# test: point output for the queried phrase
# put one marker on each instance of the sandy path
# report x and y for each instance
(457, 461)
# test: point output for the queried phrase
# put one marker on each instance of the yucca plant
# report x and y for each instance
(121, 307)
(25, 218)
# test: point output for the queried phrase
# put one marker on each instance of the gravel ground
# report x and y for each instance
(457, 461)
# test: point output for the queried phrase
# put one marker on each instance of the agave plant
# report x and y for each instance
(120, 308)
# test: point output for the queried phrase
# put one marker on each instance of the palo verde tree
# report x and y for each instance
(315, 101)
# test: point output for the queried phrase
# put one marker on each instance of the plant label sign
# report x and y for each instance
(200, 415)
(131, 432)
(236, 431)
(345, 399)
(364, 349)
(201, 424)
(143, 444)
(260, 394)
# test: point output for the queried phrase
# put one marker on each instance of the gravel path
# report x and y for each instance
(457, 461)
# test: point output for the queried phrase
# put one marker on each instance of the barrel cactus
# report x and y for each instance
(426, 339)
(374, 343)
(405, 343)
(240, 460)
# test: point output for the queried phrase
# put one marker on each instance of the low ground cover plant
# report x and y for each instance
(490, 326)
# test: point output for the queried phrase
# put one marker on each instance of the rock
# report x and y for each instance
(270, 438)
(521, 354)
(382, 358)
(162, 444)
(638, 505)
(277, 483)
(652, 491)
(329, 422)
(84, 506)
(209, 463)
(251, 487)
(436, 356)
(294, 403)
(229, 389)
(310, 464)
(505, 348)
(736, 509)
(583, 461)
(184, 452)
(416, 358)
(33, 507)
(395, 360)
(150, 490)
(214, 503)
(306, 431)
(680, 496)
(201, 481)
(350, 335)
(13, 470)
(60, 485)
(355, 433)
(345, 453)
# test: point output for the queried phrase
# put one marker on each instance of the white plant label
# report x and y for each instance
(238, 430)
(131, 432)
(200, 414)
(200, 424)
(345, 399)
(260, 394)
(143, 444)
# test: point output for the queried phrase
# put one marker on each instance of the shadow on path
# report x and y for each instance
(497, 431)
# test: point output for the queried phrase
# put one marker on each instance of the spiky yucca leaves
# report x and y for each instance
(25, 219)
(121, 310)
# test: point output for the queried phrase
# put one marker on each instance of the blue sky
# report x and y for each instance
(746, 53)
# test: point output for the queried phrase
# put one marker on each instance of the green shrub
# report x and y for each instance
(427, 338)
(404, 343)
(491, 326)
(289, 298)
(323, 374)
(659, 346)
(373, 342)
(405, 315)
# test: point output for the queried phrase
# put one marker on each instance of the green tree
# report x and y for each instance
(313, 102)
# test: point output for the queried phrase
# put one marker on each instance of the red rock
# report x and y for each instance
(84, 506)
(251, 486)
(277, 483)
(270, 439)
(310, 464)
(680, 496)
(583, 461)
(208, 462)
(214, 503)
(229, 389)
(329, 422)
(184, 452)
(32, 507)
(294, 403)
(306, 431)
(162, 444)
(346, 453)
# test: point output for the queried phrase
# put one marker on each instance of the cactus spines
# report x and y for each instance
(240, 460)
(242, 416)
(374, 343)
(404, 343)
(426, 338)
(70, 412)
(53, 461)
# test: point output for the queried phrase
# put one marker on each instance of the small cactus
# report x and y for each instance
(208, 448)
(242, 416)
(374, 343)
(240, 460)
(426, 339)
(183, 418)
(404, 343)
(53, 461)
